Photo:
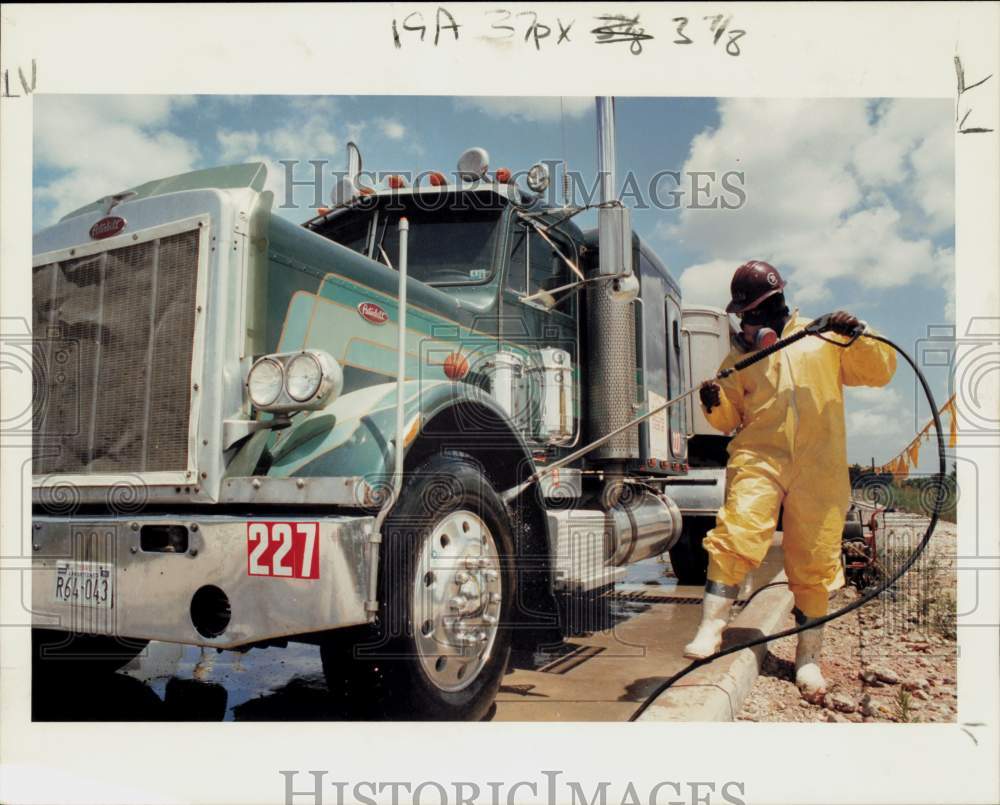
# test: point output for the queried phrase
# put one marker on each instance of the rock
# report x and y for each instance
(835, 718)
(947, 680)
(804, 703)
(883, 674)
(867, 676)
(920, 693)
(841, 702)
(917, 683)
(868, 706)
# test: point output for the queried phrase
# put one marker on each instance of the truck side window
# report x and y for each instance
(535, 262)
(547, 269)
(517, 271)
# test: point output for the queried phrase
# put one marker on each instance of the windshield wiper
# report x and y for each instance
(378, 246)
(388, 262)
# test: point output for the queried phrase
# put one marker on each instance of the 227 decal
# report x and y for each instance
(283, 550)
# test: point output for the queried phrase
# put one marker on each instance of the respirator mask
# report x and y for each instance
(769, 318)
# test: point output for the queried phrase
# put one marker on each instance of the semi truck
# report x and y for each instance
(353, 431)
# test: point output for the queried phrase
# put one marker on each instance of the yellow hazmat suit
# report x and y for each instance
(790, 449)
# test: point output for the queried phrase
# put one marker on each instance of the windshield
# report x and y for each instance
(350, 229)
(452, 239)
(452, 244)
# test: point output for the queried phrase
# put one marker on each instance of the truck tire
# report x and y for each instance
(58, 655)
(688, 557)
(446, 585)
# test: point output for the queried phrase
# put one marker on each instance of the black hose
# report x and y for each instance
(871, 594)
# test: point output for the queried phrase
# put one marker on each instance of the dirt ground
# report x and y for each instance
(893, 660)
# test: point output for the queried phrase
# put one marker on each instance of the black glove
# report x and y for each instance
(710, 395)
(843, 323)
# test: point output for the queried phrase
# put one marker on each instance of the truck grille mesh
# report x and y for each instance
(112, 351)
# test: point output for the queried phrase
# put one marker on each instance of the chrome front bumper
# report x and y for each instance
(154, 591)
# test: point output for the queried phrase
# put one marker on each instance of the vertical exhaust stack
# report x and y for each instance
(611, 319)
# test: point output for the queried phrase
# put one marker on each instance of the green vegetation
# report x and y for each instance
(904, 706)
(915, 494)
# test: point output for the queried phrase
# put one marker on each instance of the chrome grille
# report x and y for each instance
(113, 347)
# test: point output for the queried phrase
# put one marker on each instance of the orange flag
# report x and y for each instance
(914, 452)
(953, 435)
(902, 470)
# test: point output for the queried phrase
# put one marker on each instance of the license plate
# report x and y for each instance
(88, 584)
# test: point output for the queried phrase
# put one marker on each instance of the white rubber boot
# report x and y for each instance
(714, 617)
(808, 675)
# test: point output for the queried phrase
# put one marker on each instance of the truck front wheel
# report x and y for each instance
(446, 584)
(688, 557)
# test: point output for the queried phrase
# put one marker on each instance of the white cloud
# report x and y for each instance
(392, 129)
(103, 144)
(877, 414)
(707, 283)
(309, 131)
(312, 129)
(934, 177)
(235, 145)
(314, 104)
(540, 109)
(835, 190)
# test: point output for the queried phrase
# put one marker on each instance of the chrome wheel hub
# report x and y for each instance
(457, 597)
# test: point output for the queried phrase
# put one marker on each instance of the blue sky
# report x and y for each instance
(852, 199)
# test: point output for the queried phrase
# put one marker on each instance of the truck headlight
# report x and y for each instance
(264, 382)
(294, 381)
(303, 377)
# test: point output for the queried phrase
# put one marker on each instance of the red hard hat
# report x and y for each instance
(753, 282)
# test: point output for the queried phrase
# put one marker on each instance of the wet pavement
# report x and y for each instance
(599, 676)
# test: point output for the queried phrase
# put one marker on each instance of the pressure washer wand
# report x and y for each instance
(514, 491)
(813, 328)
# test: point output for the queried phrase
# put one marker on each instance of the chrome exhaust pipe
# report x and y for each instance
(641, 525)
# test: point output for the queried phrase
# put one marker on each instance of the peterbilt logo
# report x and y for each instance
(372, 313)
(106, 227)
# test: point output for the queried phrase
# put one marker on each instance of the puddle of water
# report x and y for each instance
(652, 572)
(174, 682)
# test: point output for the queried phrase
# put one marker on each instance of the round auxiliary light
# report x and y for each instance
(473, 163)
(264, 382)
(456, 366)
(396, 182)
(538, 177)
(503, 175)
(437, 179)
(303, 376)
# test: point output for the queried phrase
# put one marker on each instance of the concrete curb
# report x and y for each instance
(716, 692)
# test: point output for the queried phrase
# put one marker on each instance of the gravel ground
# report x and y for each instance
(892, 660)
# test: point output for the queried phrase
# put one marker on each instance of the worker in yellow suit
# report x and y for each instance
(789, 450)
